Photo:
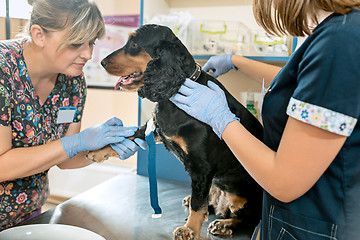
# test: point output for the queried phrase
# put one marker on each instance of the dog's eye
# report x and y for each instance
(133, 45)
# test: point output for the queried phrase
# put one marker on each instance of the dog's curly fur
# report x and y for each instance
(155, 63)
(166, 66)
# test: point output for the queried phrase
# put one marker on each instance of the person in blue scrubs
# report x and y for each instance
(309, 161)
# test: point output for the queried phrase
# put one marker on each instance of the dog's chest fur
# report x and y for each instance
(191, 141)
(175, 129)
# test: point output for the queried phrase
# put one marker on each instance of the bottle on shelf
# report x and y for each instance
(250, 103)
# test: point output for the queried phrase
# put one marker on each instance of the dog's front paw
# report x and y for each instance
(221, 227)
(184, 233)
(101, 154)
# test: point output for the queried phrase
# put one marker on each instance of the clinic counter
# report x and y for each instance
(120, 209)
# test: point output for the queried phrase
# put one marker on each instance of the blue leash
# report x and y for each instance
(152, 175)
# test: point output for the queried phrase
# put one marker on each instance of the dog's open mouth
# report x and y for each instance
(133, 78)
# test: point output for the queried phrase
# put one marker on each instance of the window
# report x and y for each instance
(17, 8)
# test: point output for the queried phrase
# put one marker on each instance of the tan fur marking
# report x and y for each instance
(124, 64)
(236, 202)
(223, 201)
(258, 234)
(179, 141)
(218, 200)
(133, 33)
(157, 138)
(196, 219)
(101, 154)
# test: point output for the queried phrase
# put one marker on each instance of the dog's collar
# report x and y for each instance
(197, 73)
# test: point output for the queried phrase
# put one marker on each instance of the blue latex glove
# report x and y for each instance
(127, 148)
(96, 137)
(219, 64)
(207, 104)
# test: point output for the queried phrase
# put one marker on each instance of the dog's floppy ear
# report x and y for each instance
(166, 72)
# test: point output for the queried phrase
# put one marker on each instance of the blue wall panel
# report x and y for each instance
(167, 165)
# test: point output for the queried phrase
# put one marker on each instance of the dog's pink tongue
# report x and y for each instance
(119, 82)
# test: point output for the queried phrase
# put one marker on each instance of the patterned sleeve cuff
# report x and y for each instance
(320, 117)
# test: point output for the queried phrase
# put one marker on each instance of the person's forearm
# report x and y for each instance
(262, 164)
(255, 69)
(78, 161)
(254, 155)
(22, 162)
(304, 154)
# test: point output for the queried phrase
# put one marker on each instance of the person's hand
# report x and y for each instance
(127, 148)
(219, 64)
(96, 137)
(207, 104)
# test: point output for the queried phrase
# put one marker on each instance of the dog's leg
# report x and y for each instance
(191, 230)
(107, 151)
(226, 226)
(198, 210)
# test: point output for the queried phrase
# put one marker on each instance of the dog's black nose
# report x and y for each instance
(104, 63)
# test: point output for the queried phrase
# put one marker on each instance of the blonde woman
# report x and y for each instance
(309, 162)
(42, 97)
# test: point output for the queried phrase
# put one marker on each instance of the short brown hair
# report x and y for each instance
(294, 16)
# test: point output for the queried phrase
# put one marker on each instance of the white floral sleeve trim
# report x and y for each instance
(323, 118)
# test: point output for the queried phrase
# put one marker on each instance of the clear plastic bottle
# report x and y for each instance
(250, 102)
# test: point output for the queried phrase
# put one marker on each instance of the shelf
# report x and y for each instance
(259, 58)
(209, 3)
(222, 8)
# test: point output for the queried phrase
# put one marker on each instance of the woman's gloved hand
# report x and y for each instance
(219, 64)
(96, 137)
(127, 148)
(207, 104)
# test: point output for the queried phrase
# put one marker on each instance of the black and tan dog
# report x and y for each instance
(155, 63)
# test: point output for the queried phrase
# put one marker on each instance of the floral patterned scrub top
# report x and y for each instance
(33, 123)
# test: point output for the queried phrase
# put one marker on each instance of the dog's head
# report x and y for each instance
(153, 61)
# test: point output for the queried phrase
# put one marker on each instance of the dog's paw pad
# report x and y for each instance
(101, 154)
(220, 228)
(184, 233)
(96, 157)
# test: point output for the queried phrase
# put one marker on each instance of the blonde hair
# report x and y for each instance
(83, 18)
(294, 16)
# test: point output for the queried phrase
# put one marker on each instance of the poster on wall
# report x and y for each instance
(117, 32)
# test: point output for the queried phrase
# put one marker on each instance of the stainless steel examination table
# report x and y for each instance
(120, 209)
